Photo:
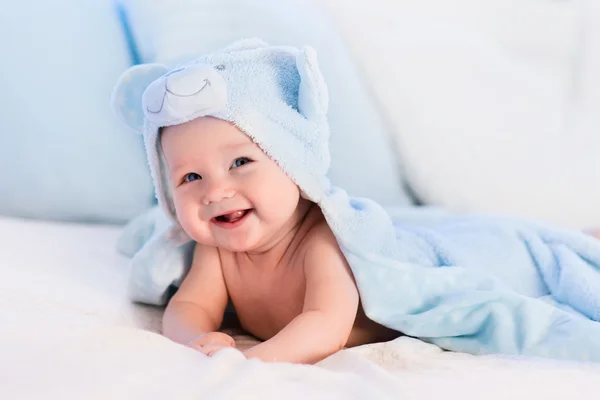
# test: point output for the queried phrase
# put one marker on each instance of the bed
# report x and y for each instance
(68, 331)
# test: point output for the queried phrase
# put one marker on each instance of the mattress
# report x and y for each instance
(69, 332)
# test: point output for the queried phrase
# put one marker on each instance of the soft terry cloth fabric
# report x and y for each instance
(172, 31)
(470, 284)
(64, 155)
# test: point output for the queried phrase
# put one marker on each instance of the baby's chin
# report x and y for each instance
(251, 239)
(247, 242)
(234, 245)
(252, 244)
(234, 248)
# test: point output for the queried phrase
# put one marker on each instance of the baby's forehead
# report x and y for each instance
(205, 134)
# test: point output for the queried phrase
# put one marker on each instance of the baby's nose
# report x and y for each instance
(217, 193)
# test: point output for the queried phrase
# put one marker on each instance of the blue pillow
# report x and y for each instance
(63, 154)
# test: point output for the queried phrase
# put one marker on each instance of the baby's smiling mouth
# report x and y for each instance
(232, 216)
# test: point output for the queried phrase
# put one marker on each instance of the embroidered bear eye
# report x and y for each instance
(220, 67)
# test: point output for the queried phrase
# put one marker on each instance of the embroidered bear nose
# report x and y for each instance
(188, 82)
(194, 91)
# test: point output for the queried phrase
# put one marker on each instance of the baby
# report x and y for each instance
(220, 132)
(260, 244)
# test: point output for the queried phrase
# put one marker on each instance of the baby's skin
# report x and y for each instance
(261, 245)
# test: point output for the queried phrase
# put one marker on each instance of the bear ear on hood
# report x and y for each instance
(126, 98)
(313, 98)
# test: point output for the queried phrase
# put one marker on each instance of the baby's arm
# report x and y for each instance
(330, 308)
(199, 304)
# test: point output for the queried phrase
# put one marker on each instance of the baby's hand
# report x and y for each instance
(210, 343)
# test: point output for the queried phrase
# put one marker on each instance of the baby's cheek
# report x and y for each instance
(188, 217)
(280, 199)
(197, 230)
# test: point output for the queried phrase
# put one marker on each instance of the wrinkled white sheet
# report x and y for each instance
(68, 332)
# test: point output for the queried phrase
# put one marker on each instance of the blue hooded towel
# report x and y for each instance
(476, 284)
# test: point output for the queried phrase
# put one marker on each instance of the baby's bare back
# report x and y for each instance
(268, 297)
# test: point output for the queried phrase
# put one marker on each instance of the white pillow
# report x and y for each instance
(587, 80)
(480, 128)
(363, 159)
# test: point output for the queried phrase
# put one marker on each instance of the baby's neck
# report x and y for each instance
(285, 242)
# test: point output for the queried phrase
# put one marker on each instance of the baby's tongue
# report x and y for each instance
(234, 216)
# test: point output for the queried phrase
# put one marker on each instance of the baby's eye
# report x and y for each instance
(238, 162)
(192, 176)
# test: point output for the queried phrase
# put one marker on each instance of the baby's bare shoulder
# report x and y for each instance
(330, 285)
(320, 237)
(321, 248)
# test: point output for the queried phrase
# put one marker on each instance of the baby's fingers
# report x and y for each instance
(212, 338)
(211, 349)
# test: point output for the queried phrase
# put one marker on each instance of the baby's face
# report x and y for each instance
(227, 192)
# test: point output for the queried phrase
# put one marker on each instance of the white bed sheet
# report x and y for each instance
(68, 332)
